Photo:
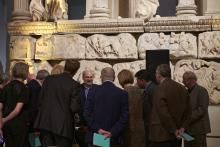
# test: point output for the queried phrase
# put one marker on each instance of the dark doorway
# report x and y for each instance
(76, 9)
(167, 7)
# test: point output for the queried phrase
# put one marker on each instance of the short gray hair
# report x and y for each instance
(189, 75)
(164, 70)
(108, 73)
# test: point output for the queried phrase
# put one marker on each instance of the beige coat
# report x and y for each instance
(134, 134)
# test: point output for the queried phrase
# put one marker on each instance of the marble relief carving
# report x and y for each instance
(61, 46)
(37, 10)
(132, 66)
(207, 73)
(180, 45)
(209, 45)
(111, 47)
(146, 8)
(21, 47)
(52, 10)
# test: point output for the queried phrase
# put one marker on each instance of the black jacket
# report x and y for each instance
(59, 100)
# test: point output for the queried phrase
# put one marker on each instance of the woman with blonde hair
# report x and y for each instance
(13, 101)
(57, 69)
(134, 135)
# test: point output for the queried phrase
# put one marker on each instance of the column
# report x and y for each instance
(21, 11)
(186, 8)
(132, 8)
(210, 7)
(100, 10)
(114, 8)
(89, 4)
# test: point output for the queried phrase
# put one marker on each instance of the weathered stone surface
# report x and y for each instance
(22, 47)
(180, 45)
(214, 112)
(207, 73)
(146, 8)
(96, 66)
(209, 45)
(132, 66)
(111, 47)
(213, 142)
(61, 47)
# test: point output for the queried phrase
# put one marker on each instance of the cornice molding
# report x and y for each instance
(125, 25)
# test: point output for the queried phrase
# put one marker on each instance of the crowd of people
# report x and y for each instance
(154, 111)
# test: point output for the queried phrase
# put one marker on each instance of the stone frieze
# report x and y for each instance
(209, 45)
(180, 44)
(207, 73)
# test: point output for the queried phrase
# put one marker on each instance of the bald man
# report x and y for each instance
(106, 109)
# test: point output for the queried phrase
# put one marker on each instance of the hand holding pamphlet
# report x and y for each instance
(100, 140)
(187, 137)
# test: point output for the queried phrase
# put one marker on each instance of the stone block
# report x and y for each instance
(61, 47)
(22, 47)
(207, 74)
(180, 45)
(122, 46)
(209, 45)
(214, 112)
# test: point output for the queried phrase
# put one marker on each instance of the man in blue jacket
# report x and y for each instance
(106, 109)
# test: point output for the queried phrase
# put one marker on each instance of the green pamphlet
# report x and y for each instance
(100, 140)
(187, 137)
(34, 140)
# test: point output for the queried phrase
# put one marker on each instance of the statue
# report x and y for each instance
(37, 10)
(51, 10)
(146, 8)
(57, 9)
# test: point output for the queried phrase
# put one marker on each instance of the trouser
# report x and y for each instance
(200, 141)
(16, 134)
(51, 139)
(80, 137)
(170, 143)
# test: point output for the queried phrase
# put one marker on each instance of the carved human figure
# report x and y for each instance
(146, 8)
(57, 9)
(37, 10)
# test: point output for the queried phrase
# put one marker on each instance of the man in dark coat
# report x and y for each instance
(106, 109)
(144, 81)
(59, 100)
(171, 110)
(34, 88)
(199, 125)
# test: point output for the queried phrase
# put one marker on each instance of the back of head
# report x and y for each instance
(71, 67)
(107, 74)
(57, 69)
(20, 70)
(164, 70)
(189, 75)
(42, 74)
(125, 77)
(143, 75)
